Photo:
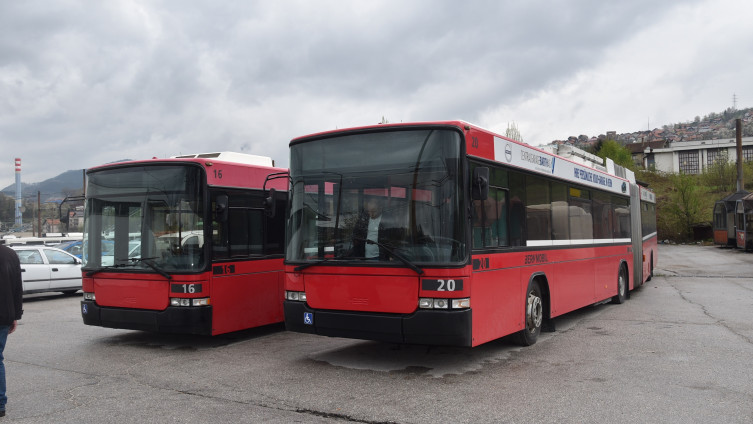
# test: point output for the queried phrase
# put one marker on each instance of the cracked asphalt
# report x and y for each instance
(679, 350)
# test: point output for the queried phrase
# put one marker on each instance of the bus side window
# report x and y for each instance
(219, 230)
(517, 209)
(490, 220)
(538, 209)
(247, 231)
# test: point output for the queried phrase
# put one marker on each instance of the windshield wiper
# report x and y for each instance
(104, 268)
(149, 262)
(392, 252)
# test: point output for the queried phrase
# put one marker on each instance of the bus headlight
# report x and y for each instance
(461, 303)
(203, 301)
(442, 303)
(179, 301)
(295, 296)
(89, 296)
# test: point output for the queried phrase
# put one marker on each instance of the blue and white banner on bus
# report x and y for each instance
(648, 195)
(541, 162)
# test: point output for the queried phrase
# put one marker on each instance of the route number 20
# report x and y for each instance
(446, 285)
(442, 285)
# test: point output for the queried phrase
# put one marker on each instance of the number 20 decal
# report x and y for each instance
(442, 285)
(450, 285)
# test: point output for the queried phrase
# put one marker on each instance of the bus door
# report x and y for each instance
(247, 282)
(246, 294)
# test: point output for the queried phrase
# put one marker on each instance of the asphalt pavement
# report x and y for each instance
(680, 350)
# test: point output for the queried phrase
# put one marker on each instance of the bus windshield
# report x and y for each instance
(145, 218)
(384, 196)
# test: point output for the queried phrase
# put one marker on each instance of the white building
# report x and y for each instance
(689, 157)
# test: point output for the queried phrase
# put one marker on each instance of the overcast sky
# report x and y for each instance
(84, 83)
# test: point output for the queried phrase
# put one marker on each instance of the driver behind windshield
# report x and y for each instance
(376, 226)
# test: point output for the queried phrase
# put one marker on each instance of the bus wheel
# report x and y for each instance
(621, 287)
(534, 308)
(651, 269)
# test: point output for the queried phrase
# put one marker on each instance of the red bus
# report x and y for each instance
(183, 245)
(725, 219)
(744, 222)
(448, 234)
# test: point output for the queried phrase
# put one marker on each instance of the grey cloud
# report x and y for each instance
(101, 81)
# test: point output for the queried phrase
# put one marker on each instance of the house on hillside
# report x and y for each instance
(643, 153)
(689, 157)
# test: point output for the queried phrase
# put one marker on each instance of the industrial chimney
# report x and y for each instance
(739, 145)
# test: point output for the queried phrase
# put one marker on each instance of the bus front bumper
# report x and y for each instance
(183, 320)
(425, 326)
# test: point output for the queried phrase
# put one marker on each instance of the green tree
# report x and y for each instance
(747, 175)
(617, 152)
(687, 205)
(721, 176)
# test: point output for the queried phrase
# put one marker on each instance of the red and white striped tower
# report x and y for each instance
(19, 194)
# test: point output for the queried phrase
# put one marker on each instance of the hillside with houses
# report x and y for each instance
(710, 127)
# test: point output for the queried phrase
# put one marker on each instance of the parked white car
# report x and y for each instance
(48, 269)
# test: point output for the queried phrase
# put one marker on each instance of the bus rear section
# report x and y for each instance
(183, 245)
(744, 222)
(448, 235)
(644, 233)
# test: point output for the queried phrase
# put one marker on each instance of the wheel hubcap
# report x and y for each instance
(534, 312)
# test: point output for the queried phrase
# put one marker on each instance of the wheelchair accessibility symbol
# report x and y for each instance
(308, 318)
(84, 309)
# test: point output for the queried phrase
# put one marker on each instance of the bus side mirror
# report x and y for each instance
(220, 208)
(480, 183)
(270, 203)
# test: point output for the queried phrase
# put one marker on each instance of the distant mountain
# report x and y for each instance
(67, 183)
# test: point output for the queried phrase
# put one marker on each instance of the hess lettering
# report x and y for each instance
(539, 258)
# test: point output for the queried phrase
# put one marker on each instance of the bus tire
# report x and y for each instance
(651, 268)
(622, 287)
(534, 315)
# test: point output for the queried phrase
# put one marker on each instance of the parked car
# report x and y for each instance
(75, 247)
(48, 269)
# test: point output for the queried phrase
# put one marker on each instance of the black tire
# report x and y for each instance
(651, 269)
(534, 315)
(622, 287)
(69, 292)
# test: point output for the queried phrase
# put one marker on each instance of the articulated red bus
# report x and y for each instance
(183, 245)
(445, 233)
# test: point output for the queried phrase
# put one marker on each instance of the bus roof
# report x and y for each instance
(232, 157)
(574, 164)
(249, 171)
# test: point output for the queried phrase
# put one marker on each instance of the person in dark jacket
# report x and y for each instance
(369, 226)
(11, 299)
(381, 231)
